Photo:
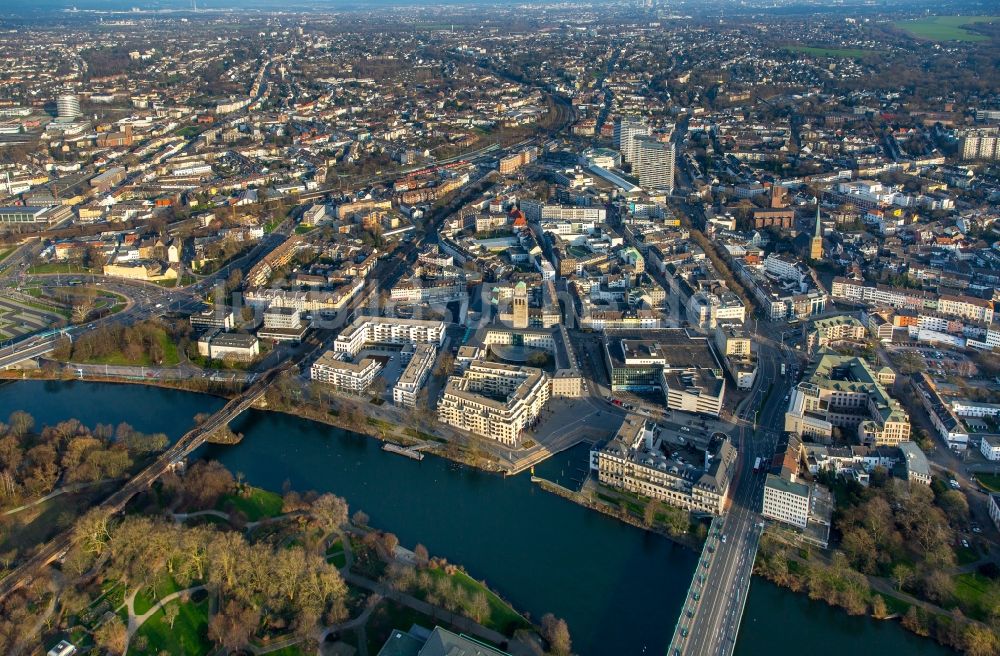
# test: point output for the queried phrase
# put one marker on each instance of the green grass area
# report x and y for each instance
(6, 251)
(977, 595)
(335, 554)
(58, 267)
(964, 555)
(257, 504)
(502, 617)
(420, 435)
(388, 616)
(270, 226)
(945, 28)
(382, 424)
(846, 53)
(895, 605)
(189, 634)
(48, 309)
(303, 229)
(188, 131)
(170, 355)
(147, 598)
(989, 481)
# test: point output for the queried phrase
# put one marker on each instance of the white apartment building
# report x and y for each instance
(989, 446)
(786, 501)
(335, 369)
(388, 330)
(654, 163)
(626, 129)
(405, 392)
(494, 400)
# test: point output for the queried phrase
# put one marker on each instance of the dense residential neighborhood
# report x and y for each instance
(722, 274)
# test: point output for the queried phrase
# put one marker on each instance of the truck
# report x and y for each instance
(756, 464)
(782, 368)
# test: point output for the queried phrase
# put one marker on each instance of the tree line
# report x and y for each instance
(137, 343)
(33, 462)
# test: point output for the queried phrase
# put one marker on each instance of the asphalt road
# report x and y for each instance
(715, 624)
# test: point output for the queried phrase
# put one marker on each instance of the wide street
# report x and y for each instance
(717, 615)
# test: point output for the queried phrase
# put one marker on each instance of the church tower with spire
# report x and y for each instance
(816, 245)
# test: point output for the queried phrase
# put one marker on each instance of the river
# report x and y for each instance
(618, 587)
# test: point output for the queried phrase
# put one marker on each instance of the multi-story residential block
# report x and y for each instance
(404, 393)
(335, 368)
(653, 163)
(708, 309)
(979, 143)
(626, 129)
(823, 332)
(733, 346)
(388, 330)
(967, 307)
(496, 401)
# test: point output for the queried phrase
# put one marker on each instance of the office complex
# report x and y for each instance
(68, 106)
(641, 460)
(843, 392)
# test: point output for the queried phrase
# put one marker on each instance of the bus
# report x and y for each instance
(756, 464)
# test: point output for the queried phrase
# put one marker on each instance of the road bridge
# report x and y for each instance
(709, 624)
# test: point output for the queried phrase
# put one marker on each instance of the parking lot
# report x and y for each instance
(940, 363)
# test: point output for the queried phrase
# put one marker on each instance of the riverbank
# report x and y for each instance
(617, 587)
(379, 429)
(833, 582)
(691, 538)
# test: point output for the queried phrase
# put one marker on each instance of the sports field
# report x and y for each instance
(945, 28)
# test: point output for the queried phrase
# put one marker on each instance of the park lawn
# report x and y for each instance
(976, 595)
(944, 28)
(146, 598)
(189, 634)
(303, 229)
(503, 618)
(427, 437)
(170, 355)
(335, 554)
(5, 252)
(964, 555)
(58, 267)
(848, 53)
(257, 505)
(989, 481)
